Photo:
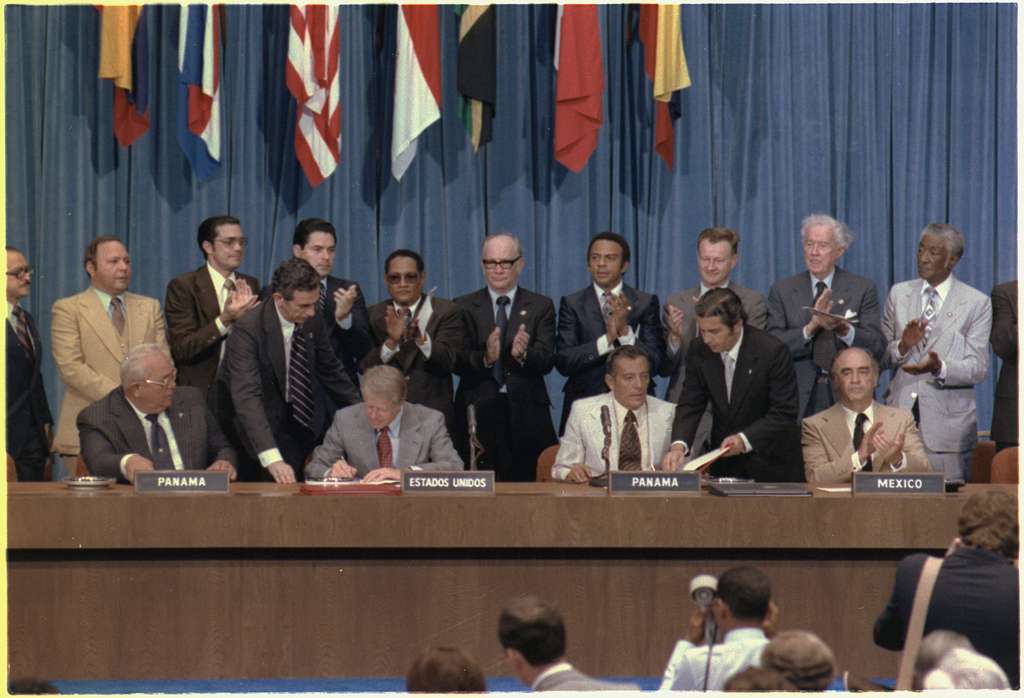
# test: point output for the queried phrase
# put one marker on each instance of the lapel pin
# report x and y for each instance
(522, 313)
(841, 301)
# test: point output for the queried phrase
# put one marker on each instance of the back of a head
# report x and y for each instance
(989, 520)
(533, 628)
(747, 592)
(802, 658)
(964, 668)
(934, 647)
(445, 670)
(755, 678)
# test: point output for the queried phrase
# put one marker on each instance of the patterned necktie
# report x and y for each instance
(322, 301)
(229, 286)
(117, 314)
(159, 445)
(630, 453)
(823, 346)
(384, 456)
(930, 306)
(501, 321)
(300, 387)
(22, 332)
(858, 437)
(604, 303)
(730, 370)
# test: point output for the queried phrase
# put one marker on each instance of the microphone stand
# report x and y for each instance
(475, 447)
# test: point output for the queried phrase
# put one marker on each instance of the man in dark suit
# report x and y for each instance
(341, 303)
(814, 340)
(28, 413)
(280, 383)
(510, 347)
(147, 423)
(417, 333)
(202, 305)
(605, 315)
(977, 591)
(747, 376)
(1004, 344)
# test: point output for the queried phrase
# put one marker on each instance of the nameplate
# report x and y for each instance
(191, 481)
(654, 482)
(478, 482)
(899, 483)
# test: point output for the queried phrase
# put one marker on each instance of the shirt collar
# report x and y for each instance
(286, 324)
(621, 410)
(615, 291)
(218, 279)
(395, 427)
(704, 289)
(828, 280)
(734, 353)
(511, 293)
(551, 670)
(139, 413)
(851, 416)
(412, 308)
(105, 298)
(942, 289)
(739, 634)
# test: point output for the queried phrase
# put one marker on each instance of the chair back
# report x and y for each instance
(1006, 466)
(981, 461)
(544, 462)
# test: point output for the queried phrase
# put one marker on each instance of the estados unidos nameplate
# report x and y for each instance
(899, 483)
(181, 481)
(468, 482)
(654, 482)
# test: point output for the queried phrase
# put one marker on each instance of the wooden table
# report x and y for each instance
(268, 583)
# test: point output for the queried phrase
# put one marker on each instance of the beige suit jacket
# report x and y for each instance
(828, 444)
(88, 352)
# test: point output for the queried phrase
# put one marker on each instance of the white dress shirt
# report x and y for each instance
(846, 338)
(147, 428)
(603, 345)
(741, 648)
(421, 321)
(222, 294)
(551, 670)
(941, 291)
(851, 424)
(642, 429)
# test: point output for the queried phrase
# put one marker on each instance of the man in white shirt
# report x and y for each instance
(744, 618)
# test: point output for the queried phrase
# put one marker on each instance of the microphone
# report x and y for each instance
(474, 445)
(702, 591)
(471, 418)
(606, 426)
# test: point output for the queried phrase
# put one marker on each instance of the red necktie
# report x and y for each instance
(384, 448)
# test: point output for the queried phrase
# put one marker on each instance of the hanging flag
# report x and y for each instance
(199, 122)
(477, 73)
(124, 58)
(311, 74)
(417, 81)
(665, 63)
(580, 90)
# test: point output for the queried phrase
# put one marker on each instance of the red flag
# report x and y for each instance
(124, 58)
(417, 81)
(578, 101)
(665, 64)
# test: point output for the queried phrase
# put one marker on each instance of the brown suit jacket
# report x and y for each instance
(828, 444)
(88, 352)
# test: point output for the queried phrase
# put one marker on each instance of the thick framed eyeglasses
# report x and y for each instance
(23, 271)
(396, 278)
(165, 383)
(500, 263)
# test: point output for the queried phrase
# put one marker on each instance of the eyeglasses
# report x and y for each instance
(166, 382)
(408, 277)
(233, 242)
(500, 263)
(22, 271)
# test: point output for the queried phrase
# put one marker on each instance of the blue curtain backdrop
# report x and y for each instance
(887, 116)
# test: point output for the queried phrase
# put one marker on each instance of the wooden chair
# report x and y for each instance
(12, 472)
(544, 462)
(1006, 466)
(981, 461)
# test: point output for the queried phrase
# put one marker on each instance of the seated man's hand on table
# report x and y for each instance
(382, 474)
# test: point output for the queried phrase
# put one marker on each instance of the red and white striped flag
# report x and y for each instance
(417, 81)
(312, 77)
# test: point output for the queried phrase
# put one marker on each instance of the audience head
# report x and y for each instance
(757, 679)
(383, 394)
(720, 317)
(825, 240)
(742, 598)
(802, 658)
(533, 636)
(445, 670)
(108, 265)
(148, 378)
(627, 373)
(939, 248)
(404, 274)
(854, 378)
(501, 258)
(30, 687)
(296, 288)
(19, 275)
(315, 241)
(222, 242)
(717, 250)
(607, 259)
(964, 668)
(933, 648)
(989, 521)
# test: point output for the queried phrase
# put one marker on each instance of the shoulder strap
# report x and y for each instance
(915, 629)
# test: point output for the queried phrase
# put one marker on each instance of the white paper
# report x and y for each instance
(706, 459)
(849, 316)
(845, 488)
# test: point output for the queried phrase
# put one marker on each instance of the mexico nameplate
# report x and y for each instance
(899, 483)
(190, 481)
(469, 482)
(654, 482)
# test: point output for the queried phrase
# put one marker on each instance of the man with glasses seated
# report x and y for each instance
(417, 333)
(149, 423)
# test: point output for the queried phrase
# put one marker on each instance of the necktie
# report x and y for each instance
(604, 304)
(730, 370)
(117, 314)
(322, 301)
(630, 453)
(384, 456)
(229, 286)
(501, 321)
(823, 346)
(300, 390)
(858, 437)
(158, 444)
(930, 306)
(22, 332)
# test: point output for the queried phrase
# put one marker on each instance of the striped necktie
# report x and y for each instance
(22, 332)
(300, 386)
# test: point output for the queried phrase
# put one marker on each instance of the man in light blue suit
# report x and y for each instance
(937, 329)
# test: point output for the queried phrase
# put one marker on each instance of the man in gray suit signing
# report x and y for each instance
(383, 434)
(812, 339)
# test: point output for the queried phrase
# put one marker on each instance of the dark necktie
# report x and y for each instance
(858, 437)
(117, 314)
(22, 332)
(384, 456)
(159, 446)
(322, 301)
(823, 346)
(501, 321)
(300, 386)
(630, 454)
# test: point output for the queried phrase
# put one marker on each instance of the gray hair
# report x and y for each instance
(384, 382)
(934, 647)
(510, 236)
(842, 235)
(953, 238)
(802, 657)
(133, 367)
(963, 668)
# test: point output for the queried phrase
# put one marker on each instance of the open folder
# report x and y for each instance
(702, 461)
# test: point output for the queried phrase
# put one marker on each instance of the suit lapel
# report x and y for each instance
(181, 423)
(518, 314)
(209, 306)
(803, 293)
(130, 427)
(746, 365)
(689, 314)
(837, 434)
(274, 340)
(483, 313)
(96, 315)
(410, 440)
(948, 311)
(592, 319)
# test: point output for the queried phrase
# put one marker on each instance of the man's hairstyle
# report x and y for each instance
(93, 247)
(415, 256)
(510, 236)
(964, 668)
(989, 521)
(445, 670)
(716, 235)
(755, 678)
(746, 591)
(842, 235)
(802, 658)
(208, 229)
(294, 275)
(12, 248)
(933, 648)
(534, 629)
(133, 367)
(610, 237)
(871, 358)
(627, 351)
(722, 303)
(953, 238)
(308, 226)
(385, 382)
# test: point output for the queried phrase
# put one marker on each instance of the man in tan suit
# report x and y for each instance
(92, 332)
(858, 433)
